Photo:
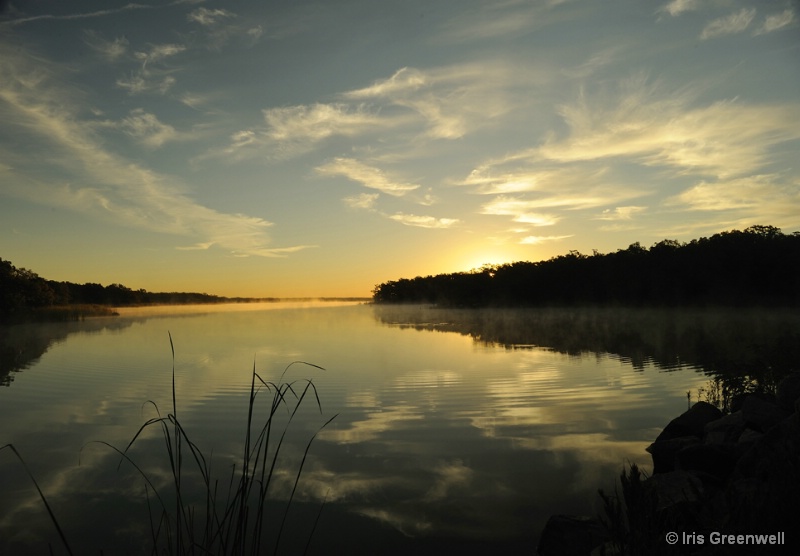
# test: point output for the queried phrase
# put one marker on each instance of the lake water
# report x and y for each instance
(457, 429)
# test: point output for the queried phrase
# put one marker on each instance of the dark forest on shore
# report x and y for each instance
(24, 293)
(759, 266)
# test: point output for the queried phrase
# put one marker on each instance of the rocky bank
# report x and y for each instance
(713, 475)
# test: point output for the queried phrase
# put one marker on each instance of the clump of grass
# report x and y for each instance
(233, 524)
(722, 391)
(635, 523)
(628, 517)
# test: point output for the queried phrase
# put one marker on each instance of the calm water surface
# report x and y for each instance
(454, 428)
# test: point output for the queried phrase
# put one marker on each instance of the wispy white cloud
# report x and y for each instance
(498, 19)
(776, 22)
(729, 25)
(194, 100)
(255, 33)
(428, 199)
(403, 81)
(206, 17)
(641, 122)
(677, 7)
(148, 129)
(149, 79)
(318, 121)
(374, 178)
(595, 62)
(293, 130)
(620, 218)
(111, 50)
(219, 27)
(159, 52)
(98, 13)
(536, 240)
(760, 198)
(520, 210)
(364, 201)
(569, 187)
(138, 82)
(621, 213)
(367, 176)
(453, 100)
(101, 184)
(442, 103)
(423, 221)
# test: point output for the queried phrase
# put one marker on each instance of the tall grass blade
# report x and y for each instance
(41, 495)
(297, 480)
(235, 526)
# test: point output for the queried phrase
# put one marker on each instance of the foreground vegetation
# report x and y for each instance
(190, 515)
(756, 266)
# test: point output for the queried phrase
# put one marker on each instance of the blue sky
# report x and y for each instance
(300, 148)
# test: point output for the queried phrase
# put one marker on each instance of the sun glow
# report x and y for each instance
(473, 261)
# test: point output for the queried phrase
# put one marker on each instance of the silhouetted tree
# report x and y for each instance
(21, 289)
(759, 265)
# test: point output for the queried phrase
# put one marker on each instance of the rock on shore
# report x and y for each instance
(736, 473)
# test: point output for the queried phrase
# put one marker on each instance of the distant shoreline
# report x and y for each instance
(233, 300)
(82, 311)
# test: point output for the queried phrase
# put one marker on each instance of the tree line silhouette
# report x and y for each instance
(757, 266)
(22, 290)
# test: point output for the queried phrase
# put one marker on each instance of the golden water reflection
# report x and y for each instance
(445, 431)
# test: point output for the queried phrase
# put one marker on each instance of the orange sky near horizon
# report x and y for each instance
(304, 149)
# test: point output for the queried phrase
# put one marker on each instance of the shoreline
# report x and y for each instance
(82, 311)
(718, 478)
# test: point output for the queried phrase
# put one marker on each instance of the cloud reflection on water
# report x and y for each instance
(439, 435)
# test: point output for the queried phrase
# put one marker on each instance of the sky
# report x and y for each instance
(296, 148)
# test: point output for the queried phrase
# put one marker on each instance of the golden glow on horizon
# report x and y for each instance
(474, 257)
(148, 160)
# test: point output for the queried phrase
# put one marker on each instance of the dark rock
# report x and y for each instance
(716, 460)
(764, 488)
(691, 422)
(762, 413)
(725, 430)
(776, 455)
(788, 391)
(665, 451)
(749, 437)
(567, 535)
(674, 488)
(736, 473)
(746, 441)
(738, 400)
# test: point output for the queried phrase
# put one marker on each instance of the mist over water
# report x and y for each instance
(462, 428)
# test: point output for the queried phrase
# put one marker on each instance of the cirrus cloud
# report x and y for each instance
(367, 176)
(752, 199)
(102, 184)
(729, 25)
(423, 221)
(723, 139)
(776, 22)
